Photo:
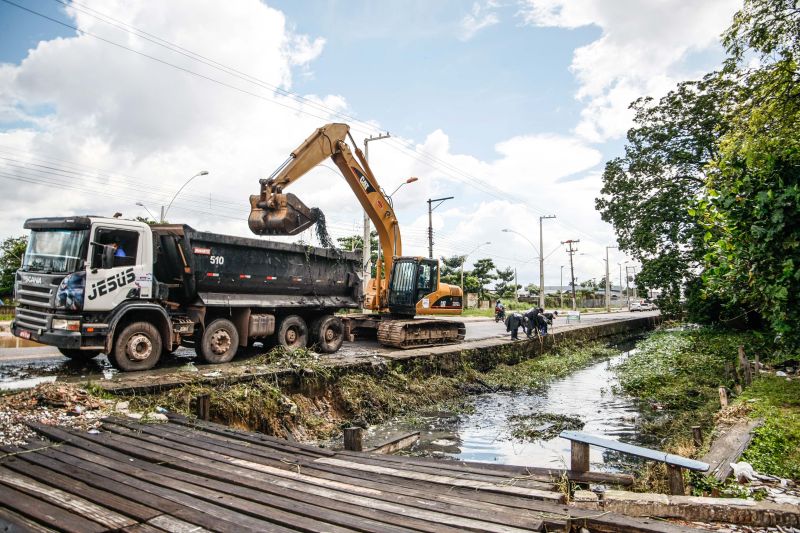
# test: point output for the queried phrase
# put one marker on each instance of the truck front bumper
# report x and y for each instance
(70, 340)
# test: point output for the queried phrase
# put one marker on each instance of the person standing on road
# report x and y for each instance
(513, 323)
(531, 318)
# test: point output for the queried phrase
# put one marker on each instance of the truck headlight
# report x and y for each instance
(70, 292)
(68, 325)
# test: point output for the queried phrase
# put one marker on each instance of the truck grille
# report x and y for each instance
(31, 319)
(36, 295)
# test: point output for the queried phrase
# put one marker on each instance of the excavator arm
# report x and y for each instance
(274, 212)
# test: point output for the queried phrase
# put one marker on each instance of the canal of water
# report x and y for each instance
(486, 433)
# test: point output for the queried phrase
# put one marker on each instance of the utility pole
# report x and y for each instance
(571, 251)
(608, 282)
(365, 260)
(541, 261)
(430, 220)
(561, 287)
(516, 293)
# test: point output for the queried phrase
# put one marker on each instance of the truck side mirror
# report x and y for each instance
(107, 260)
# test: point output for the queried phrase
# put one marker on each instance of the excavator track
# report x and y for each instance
(420, 332)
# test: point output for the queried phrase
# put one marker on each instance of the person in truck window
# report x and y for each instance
(118, 250)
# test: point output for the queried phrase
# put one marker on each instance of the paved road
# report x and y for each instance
(17, 364)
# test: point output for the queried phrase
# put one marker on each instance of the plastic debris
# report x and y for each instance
(743, 472)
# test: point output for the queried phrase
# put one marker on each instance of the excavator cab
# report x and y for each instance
(415, 289)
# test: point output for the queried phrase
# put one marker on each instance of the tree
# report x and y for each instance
(12, 251)
(752, 207)
(356, 242)
(505, 287)
(146, 220)
(532, 289)
(648, 193)
(482, 272)
(451, 269)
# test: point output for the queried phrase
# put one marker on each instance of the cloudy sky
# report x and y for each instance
(512, 107)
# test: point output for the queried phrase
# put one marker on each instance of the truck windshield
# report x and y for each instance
(55, 250)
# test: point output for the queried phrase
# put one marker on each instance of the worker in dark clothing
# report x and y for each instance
(513, 323)
(550, 316)
(531, 318)
(541, 322)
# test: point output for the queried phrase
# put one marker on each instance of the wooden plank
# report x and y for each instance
(126, 506)
(162, 430)
(175, 525)
(222, 518)
(11, 522)
(350, 493)
(445, 480)
(638, 451)
(729, 446)
(521, 472)
(207, 468)
(144, 528)
(395, 445)
(249, 436)
(75, 504)
(45, 513)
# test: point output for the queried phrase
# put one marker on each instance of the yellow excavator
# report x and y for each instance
(412, 287)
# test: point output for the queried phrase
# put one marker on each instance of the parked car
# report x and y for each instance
(643, 305)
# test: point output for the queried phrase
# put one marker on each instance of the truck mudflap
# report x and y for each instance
(420, 332)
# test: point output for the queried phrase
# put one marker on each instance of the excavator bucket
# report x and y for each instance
(284, 214)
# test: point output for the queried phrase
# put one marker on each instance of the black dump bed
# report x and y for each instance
(236, 271)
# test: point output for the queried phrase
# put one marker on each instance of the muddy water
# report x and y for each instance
(9, 341)
(485, 433)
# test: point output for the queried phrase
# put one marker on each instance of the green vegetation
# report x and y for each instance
(532, 374)
(542, 426)
(775, 449)
(11, 252)
(679, 373)
(707, 194)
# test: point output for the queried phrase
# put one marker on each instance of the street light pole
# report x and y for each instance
(561, 286)
(430, 220)
(164, 212)
(608, 282)
(541, 261)
(365, 260)
(571, 251)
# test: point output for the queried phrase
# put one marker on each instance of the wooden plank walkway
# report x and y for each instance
(198, 476)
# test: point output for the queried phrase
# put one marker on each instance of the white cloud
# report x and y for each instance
(479, 17)
(642, 50)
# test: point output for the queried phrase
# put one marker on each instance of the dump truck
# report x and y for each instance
(91, 285)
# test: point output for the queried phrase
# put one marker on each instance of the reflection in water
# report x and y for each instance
(9, 341)
(485, 435)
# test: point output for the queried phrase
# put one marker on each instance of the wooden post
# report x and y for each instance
(579, 461)
(675, 476)
(697, 436)
(352, 439)
(723, 397)
(203, 407)
(757, 366)
(745, 364)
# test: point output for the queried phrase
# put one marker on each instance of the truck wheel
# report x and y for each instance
(328, 333)
(138, 347)
(79, 355)
(293, 333)
(219, 342)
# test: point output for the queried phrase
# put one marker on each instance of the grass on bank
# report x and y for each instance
(678, 374)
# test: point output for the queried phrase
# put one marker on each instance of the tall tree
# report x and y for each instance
(451, 269)
(482, 272)
(505, 287)
(648, 193)
(752, 209)
(11, 252)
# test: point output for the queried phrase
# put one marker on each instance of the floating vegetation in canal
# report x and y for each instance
(534, 373)
(542, 426)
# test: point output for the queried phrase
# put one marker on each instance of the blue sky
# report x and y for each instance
(512, 107)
